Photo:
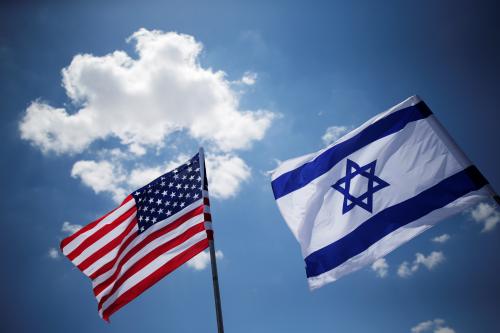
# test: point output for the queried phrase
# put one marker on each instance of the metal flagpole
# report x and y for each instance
(456, 150)
(213, 260)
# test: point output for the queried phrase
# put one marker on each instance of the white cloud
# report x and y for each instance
(441, 239)
(487, 215)
(380, 267)
(142, 100)
(226, 173)
(202, 260)
(249, 78)
(333, 133)
(53, 253)
(101, 176)
(436, 326)
(430, 262)
(70, 228)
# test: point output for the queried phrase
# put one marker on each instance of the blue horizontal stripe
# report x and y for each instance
(297, 178)
(392, 218)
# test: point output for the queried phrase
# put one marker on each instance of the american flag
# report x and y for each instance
(155, 230)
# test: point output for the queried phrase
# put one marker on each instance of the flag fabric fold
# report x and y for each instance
(155, 230)
(374, 189)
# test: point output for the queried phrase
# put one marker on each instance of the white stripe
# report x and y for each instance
(104, 240)
(109, 256)
(143, 252)
(157, 226)
(152, 267)
(108, 219)
(208, 225)
(391, 241)
(294, 163)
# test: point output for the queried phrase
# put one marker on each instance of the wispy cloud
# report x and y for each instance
(435, 326)
(487, 215)
(53, 253)
(69, 228)
(429, 262)
(202, 260)
(333, 133)
(441, 239)
(381, 267)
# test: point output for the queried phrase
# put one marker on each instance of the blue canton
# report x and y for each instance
(365, 200)
(168, 194)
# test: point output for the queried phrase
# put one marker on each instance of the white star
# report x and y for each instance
(188, 163)
(147, 219)
(158, 202)
(176, 176)
(169, 212)
(178, 186)
(164, 193)
(149, 191)
(172, 194)
(186, 186)
(191, 178)
(154, 219)
(175, 171)
(167, 203)
(162, 184)
(199, 178)
(140, 218)
(195, 195)
(182, 204)
(193, 186)
(137, 193)
(157, 191)
(170, 184)
(184, 177)
(142, 228)
(145, 208)
(175, 204)
(160, 210)
(153, 210)
(151, 200)
(190, 169)
(188, 195)
(197, 169)
(181, 195)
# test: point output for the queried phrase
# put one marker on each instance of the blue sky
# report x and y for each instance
(292, 70)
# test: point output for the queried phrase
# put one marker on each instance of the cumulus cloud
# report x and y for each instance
(70, 228)
(380, 267)
(53, 253)
(487, 215)
(436, 326)
(202, 260)
(429, 262)
(441, 239)
(142, 100)
(333, 133)
(226, 173)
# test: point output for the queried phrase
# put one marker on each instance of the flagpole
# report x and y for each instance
(213, 259)
(456, 150)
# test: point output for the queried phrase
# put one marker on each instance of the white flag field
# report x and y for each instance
(374, 189)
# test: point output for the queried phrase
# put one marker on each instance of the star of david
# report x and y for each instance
(365, 200)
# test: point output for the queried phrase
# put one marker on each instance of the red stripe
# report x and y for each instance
(144, 261)
(108, 247)
(168, 228)
(206, 201)
(207, 217)
(89, 226)
(154, 277)
(100, 233)
(210, 234)
(109, 265)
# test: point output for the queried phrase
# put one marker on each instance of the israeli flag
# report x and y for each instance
(373, 190)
